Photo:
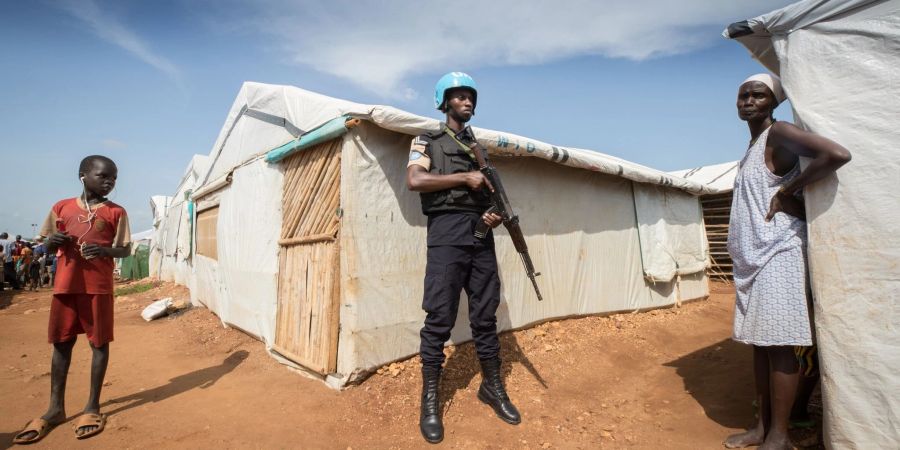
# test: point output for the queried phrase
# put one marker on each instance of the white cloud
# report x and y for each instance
(109, 28)
(377, 44)
(113, 144)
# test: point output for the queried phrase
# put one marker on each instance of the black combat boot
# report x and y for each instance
(430, 416)
(493, 393)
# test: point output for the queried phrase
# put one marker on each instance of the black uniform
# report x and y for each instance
(457, 260)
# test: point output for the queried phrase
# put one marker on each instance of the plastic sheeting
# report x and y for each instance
(670, 227)
(136, 265)
(174, 241)
(240, 286)
(580, 228)
(158, 206)
(307, 110)
(840, 66)
(587, 246)
(719, 177)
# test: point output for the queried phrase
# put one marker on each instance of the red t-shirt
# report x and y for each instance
(107, 226)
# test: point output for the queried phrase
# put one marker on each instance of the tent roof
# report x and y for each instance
(299, 111)
(195, 171)
(199, 166)
(158, 204)
(719, 177)
(756, 33)
(145, 235)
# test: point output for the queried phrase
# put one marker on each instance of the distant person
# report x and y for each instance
(26, 255)
(7, 246)
(767, 243)
(90, 231)
(2, 268)
(42, 256)
(34, 272)
(19, 245)
(40, 248)
(51, 268)
(12, 251)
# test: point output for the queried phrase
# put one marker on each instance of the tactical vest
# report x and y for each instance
(448, 158)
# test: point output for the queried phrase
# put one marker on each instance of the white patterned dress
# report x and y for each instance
(769, 258)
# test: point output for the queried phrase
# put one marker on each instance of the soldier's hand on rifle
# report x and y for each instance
(492, 219)
(476, 180)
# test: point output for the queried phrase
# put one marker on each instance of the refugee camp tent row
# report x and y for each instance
(158, 205)
(839, 62)
(719, 178)
(307, 237)
(176, 229)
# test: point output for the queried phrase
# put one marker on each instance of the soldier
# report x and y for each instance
(443, 170)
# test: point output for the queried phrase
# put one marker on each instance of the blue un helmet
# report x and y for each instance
(450, 81)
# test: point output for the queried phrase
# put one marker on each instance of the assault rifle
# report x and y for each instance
(500, 205)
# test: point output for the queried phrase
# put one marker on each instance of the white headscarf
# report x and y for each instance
(773, 83)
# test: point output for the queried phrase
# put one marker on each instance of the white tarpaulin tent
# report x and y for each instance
(158, 205)
(839, 62)
(174, 231)
(345, 295)
(142, 237)
(719, 178)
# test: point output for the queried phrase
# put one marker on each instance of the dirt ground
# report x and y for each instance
(668, 378)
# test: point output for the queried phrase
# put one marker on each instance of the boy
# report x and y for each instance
(89, 231)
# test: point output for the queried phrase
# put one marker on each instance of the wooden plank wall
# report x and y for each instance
(716, 213)
(307, 315)
(307, 311)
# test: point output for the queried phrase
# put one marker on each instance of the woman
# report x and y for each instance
(767, 242)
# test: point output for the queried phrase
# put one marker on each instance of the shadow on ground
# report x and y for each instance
(720, 378)
(202, 379)
(6, 439)
(463, 365)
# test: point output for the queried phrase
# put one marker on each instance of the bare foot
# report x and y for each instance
(749, 438)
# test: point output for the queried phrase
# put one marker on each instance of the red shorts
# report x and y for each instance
(73, 314)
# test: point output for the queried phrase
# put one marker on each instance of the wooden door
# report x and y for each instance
(306, 329)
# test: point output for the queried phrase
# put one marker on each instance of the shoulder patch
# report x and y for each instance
(419, 145)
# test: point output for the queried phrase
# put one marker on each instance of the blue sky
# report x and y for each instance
(149, 83)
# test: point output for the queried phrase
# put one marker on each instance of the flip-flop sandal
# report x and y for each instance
(40, 426)
(89, 420)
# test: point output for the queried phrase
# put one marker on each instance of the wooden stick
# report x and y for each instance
(294, 174)
(312, 191)
(297, 195)
(315, 208)
(321, 213)
(306, 240)
(305, 195)
(334, 310)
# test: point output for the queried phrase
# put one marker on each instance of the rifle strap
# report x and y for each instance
(464, 147)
